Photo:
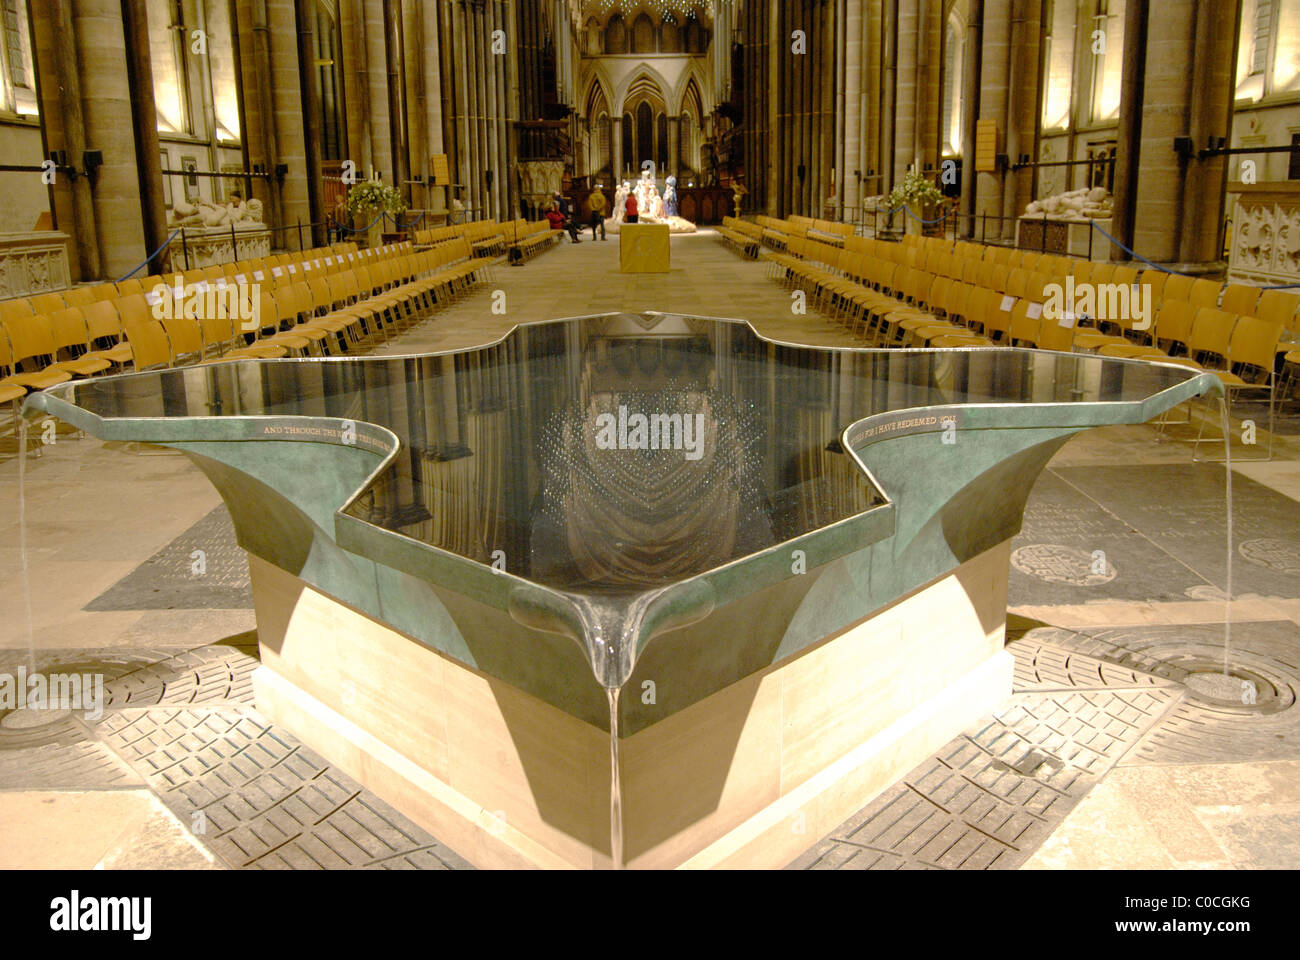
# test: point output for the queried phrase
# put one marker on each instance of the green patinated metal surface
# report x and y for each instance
(466, 500)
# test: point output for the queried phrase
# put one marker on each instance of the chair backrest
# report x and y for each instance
(47, 303)
(16, 309)
(1178, 287)
(1254, 342)
(1211, 334)
(69, 328)
(149, 345)
(134, 309)
(127, 287)
(997, 315)
(937, 295)
(29, 338)
(1024, 321)
(1017, 283)
(216, 329)
(1155, 279)
(321, 294)
(102, 320)
(185, 336)
(1279, 306)
(1240, 299)
(957, 299)
(1102, 273)
(1205, 293)
(78, 296)
(1127, 276)
(1174, 321)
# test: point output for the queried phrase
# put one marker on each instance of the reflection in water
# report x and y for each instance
(571, 447)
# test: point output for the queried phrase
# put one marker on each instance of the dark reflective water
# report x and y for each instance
(616, 454)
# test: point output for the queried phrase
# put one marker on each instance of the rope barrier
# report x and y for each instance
(346, 228)
(149, 259)
(1134, 253)
(909, 212)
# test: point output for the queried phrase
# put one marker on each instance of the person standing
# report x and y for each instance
(630, 206)
(597, 203)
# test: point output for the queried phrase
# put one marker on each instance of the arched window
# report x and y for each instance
(670, 35)
(1058, 63)
(616, 35)
(661, 155)
(692, 35)
(687, 137)
(19, 80)
(1106, 43)
(643, 34)
(591, 37)
(644, 133)
(953, 56)
(601, 160)
(629, 137)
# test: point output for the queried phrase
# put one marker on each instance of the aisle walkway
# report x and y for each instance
(706, 279)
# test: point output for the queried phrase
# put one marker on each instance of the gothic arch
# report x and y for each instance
(645, 84)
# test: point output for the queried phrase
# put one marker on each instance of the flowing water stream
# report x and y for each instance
(22, 541)
(615, 785)
(1227, 465)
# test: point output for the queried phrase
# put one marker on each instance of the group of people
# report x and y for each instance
(631, 205)
(558, 214)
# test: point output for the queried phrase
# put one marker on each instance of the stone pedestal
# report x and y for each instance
(1265, 241)
(213, 246)
(1063, 237)
(643, 248)
(750, 776)
(31, 263)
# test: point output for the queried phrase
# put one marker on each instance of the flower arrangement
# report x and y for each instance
(915, 191)
(368, 197)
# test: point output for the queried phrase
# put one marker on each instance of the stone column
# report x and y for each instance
(1128, 150)
(970, 98)
(376, 91)
(431, 62)
(994, 83)
(106, 113)
(61, 113)
(144, 115)
(888, 92)
(907, 90)
(854, 69)
(259, 110)
(395, 62)
(1187, 91)
(511, 74)
(287, 101)
(674, 145)
(310, 111)
(775, 93)
(1023, 109)
(872, 90)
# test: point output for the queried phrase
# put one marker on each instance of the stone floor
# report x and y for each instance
(1116, 750)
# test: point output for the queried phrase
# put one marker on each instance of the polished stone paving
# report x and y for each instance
(1114, 751)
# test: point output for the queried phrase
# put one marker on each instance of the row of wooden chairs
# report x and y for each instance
(325, 311)
(743, 237)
